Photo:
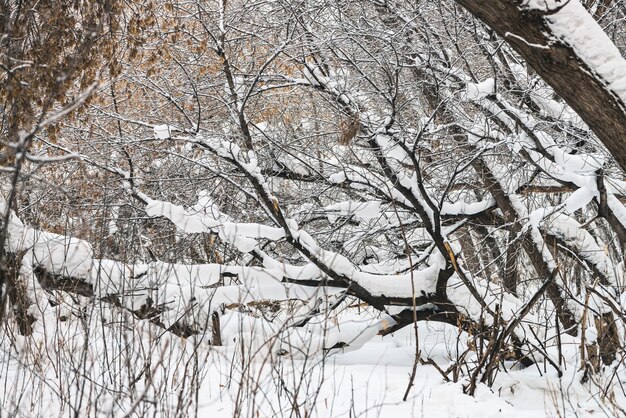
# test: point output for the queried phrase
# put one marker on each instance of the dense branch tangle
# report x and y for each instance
(398, 155)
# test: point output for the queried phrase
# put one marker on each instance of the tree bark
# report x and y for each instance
(560, 66)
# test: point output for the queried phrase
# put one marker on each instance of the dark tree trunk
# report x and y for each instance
(560, 66)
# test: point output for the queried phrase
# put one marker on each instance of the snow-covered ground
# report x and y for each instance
(85, 367)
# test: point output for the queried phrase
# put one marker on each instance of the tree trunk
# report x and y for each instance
(562, 67)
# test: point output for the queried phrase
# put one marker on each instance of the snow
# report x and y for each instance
(242, 235)
(543, 248)
(401, 285)
(163, 131)
(217, 381)
(617, 208)
(57, 253)
(391, 149)
(476, 91)
(571, 232)
(367, 377)
(574, 26)
(277, 356)
(579, 199)
(521, 38)
(362, 211)
(60, 254)
(293, 164)
(337, 177)
(462, 208)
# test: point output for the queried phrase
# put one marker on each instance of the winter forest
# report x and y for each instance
(312, 208)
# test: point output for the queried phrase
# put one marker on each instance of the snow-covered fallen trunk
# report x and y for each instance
(181, 298)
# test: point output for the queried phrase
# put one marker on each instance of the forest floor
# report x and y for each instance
(142, 371)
